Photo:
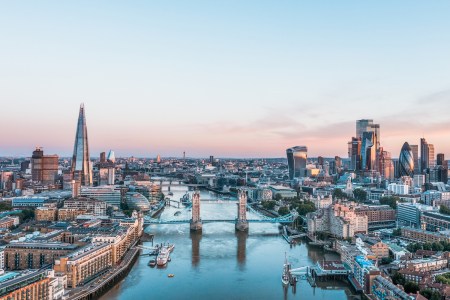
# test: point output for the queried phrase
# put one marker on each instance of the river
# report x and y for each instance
(222, 264)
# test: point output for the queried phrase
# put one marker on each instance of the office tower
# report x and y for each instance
(368, 151)
(320, 161)
(211, 159)
(103, 157)
(406, 161)
(386, 167)
(424, 156)
(440, 159)
(111, 156)
(158, 159)
(367, 125)
(81, 163)
(354, 153)
(415, 152)
(431, 157)
(44, 168)
(337, 164)
(297, 157)
(24, 166)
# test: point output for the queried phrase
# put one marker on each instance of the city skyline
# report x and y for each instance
(246, 80)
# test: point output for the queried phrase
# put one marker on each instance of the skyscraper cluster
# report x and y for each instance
(365, 151)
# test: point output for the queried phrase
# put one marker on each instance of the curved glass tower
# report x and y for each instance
(81, 164)
(406, 161)
(297, 157)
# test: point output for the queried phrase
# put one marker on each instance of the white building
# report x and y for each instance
(398, 189)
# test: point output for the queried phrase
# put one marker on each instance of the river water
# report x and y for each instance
(222, 264)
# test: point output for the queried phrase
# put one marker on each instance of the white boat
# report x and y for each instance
(163, 257)
(164, 254)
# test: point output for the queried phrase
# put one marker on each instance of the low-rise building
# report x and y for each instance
(8, 222)
(32, 285)
(29, 201)
(378, 216)
(89, 205)
(383, 289)
(84, 263)
(34, 255)
(69, 214)
(46, 214)
(424, 236)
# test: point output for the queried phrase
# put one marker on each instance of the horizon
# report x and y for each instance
(246, 80)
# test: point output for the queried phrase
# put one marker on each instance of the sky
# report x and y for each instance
(223, 78)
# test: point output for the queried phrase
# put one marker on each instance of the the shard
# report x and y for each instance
(81, 164)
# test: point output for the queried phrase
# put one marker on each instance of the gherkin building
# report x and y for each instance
(406, 161)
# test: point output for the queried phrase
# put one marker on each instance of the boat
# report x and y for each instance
(170, 193)
(152, 263)
(163, 257)
(285, 274)
(177, 213)
(164, 254)
(170, 275)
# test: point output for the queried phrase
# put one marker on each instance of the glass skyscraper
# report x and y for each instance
(81, 163)
(406, 161)
(297, 157)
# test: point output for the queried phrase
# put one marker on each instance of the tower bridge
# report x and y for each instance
(241, 221)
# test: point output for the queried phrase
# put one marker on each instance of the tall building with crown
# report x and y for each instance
(81, 163)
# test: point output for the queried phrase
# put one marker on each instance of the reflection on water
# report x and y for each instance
(220, 263)
(195, 238)
(241, 247)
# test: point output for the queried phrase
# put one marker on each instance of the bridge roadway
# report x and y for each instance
(167, 222)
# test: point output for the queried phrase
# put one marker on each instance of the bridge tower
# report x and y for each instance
(241, 221)
(196, 221)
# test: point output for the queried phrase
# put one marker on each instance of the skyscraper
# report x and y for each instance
(406, 161)
(427, 159)
(386, 167)
(297, 157)
(368, 151)
(354, 153)
(423, 155)
(81, 163)
(431, 157)
(440, 159)
(111, 156)
(415, 152)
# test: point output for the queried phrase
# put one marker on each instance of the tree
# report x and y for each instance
(5, 206)
(306, 207)
(411, 287)
(386, 260)
(398, 278)
(390, 200)
(283, 210)
(397, 232)
(27, 214)
(360, 195)
(268, 204)
(339, 194)
(444, 210)
(278, 197)
(430, 294)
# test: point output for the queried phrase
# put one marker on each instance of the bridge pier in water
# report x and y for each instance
(241, 221)
(196, 221)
